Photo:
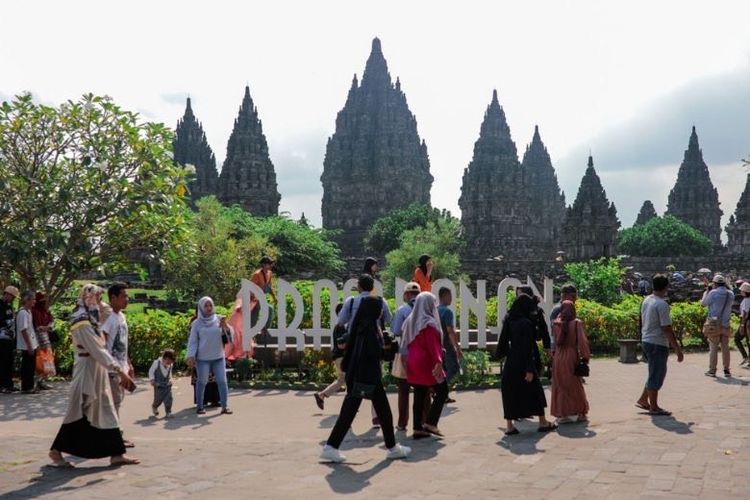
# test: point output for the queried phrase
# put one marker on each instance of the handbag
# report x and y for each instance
(582, 367)
(398, 370)
(45, 363)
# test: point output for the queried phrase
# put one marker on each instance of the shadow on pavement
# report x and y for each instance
(47, 404)
(343, 479)
(523, 443)
(731, 381)
(576, 431)
(671, 424)
(54, 481)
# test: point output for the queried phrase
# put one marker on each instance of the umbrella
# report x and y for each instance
(704, 270)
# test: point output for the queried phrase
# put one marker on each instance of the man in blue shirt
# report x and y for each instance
(450, 339)
(719, 299)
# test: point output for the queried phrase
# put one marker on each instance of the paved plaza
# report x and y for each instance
(269, 447)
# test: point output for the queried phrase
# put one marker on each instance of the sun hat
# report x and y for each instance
(11, 290)
(745, 287)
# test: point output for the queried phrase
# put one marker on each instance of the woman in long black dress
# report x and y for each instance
(522, 392)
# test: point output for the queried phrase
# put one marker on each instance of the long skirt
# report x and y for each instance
(81, 439)
(521, 399)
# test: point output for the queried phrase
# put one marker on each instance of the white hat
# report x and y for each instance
(11, 290)
(745, 287)
(719, 279)
(412, 287)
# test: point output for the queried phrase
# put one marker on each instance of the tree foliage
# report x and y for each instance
(663, 237)
(441, 239)
(225, 245)
(597, 280)
(385, 234)
(83, 185)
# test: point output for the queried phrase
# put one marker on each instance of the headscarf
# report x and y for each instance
(84, 311)
(523, 306)
(567, 314)
(423, 314)
(212, 319)
(40, 313)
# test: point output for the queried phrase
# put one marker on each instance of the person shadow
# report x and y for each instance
(576, 430)
(344, 480)
(671, 424)
(524, 443)
(60, 482)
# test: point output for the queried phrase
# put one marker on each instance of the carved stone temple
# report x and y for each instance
(694, 199)
(738, 229)
(375, 161)
(248, 178)
(191, 148)
(509, 210)
(591, 223)
(646, 213)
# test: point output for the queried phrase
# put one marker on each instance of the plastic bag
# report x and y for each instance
(45, 363)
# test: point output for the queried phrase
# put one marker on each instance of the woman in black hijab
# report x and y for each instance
(522, 392)
(364, 380)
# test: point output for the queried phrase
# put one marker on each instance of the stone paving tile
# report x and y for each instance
(269, 448)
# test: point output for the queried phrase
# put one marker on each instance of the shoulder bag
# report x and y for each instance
(582, 367)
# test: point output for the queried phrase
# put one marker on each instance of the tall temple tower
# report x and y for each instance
(494, 204)
(647, 213)
(694, 199)
(375, 161)
(591, 223)
(191, 147)
(738, 229)
(547, 201)
(248, 178)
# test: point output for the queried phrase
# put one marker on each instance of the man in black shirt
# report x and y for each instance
(7, 339)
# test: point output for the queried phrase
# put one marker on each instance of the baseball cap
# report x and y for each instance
(719, 279)
(412, 287)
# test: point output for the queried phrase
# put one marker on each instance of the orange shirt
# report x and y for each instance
(424, 282)
(263, 280)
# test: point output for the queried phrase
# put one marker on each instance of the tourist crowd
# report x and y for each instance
(418, 344)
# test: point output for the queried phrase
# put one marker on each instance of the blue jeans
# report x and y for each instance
(219, 369)
(656, 355)
(450, 363)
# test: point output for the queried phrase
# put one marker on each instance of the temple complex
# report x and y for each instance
(191, 148)
(647, 213)
(738, 229)
(694, 199)
(591, 223)
(248, 178)
(375, 161)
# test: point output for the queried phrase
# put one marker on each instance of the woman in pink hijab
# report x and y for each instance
(422, 348)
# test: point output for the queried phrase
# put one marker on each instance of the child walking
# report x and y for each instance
(160, 375)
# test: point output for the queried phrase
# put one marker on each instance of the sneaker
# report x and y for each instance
(375, 423)
(397, 452)
(200, 411)
(168, 415)
(400, 429)
(709, 373)
(155, 411)
(727, 374)
(331, 454)
(564, 420)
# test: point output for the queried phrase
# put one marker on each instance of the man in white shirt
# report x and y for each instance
(26, 342)
(115, 331)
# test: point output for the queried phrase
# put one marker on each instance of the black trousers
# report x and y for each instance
(7, 356)
(436, 408)
(28, 367)
(349, 409)
(738, 342)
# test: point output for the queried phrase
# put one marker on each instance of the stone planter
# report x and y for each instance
(628, 350)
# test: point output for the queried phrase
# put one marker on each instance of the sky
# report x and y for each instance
(624, 81)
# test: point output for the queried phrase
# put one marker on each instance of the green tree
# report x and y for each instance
(385, 234)
(663, 237)
(597, 280)
(83, 185)
(213, 260)
(441, 239)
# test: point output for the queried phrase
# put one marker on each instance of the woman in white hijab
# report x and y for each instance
(422, 348)
(208, 334)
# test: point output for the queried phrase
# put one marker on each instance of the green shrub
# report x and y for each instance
(319, 367)
(597, 280)
(475, 368)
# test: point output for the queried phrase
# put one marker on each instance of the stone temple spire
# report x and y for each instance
(375, 161)
(494, 204)
(591, 223)
(694, 199)
(248, 178)
(647, 213)
(547, 202)
(191, 148)
(738, 229)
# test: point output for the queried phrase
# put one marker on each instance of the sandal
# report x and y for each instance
(642, 406)
(124, 461)
(512, 432)
(420, 435)
(128, 444)
(432, 430)
(226, 411)
(319, 400)
(660, 412)
(547, 428)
